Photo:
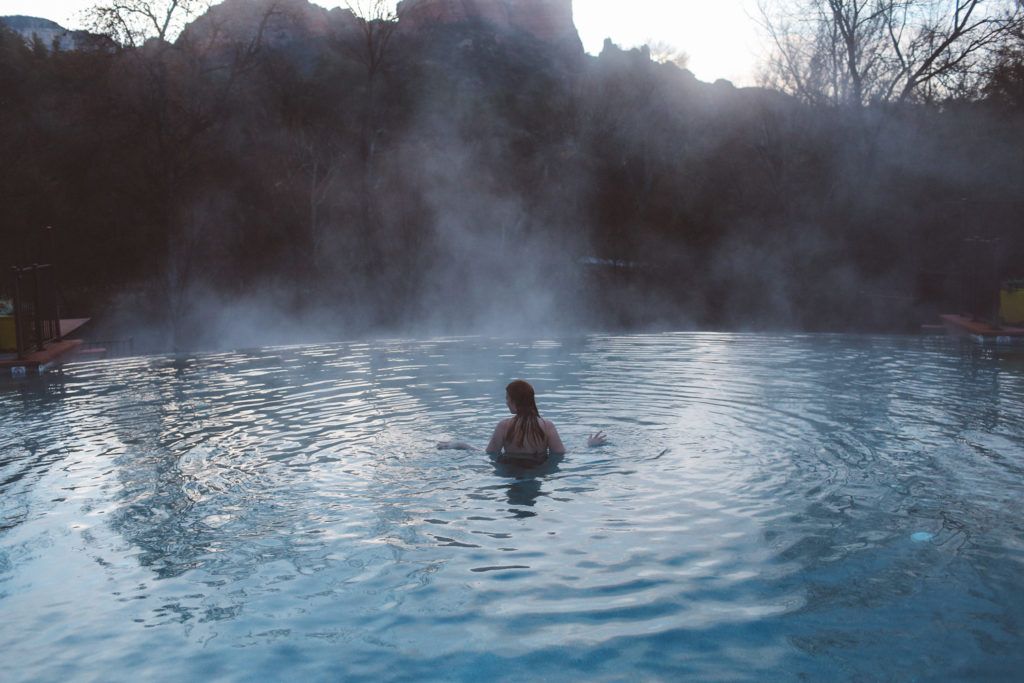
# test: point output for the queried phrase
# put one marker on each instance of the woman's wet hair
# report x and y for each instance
(526, 424)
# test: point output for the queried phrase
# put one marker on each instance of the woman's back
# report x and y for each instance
(512, 440)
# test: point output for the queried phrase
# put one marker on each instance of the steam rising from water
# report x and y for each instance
(507, 188)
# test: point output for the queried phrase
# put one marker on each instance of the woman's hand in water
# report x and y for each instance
(453, 446)
(596, 439)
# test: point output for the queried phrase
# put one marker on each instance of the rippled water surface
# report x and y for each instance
(769, 507)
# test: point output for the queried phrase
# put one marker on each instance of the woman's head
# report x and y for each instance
(526, 423)
(521, 399)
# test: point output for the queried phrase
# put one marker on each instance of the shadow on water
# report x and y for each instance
(49, 386)
(528, 482)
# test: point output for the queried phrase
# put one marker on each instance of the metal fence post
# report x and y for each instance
(18, 341)
(36, 312)
(52, 246)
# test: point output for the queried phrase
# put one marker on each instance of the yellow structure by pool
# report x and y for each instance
(8, 341)
(1011, 306)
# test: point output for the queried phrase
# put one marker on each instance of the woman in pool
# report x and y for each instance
(526, 438)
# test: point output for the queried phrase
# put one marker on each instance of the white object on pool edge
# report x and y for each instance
(921, 536)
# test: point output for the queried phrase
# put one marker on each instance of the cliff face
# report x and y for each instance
(284, 22)
(550, 21)
(50, 33)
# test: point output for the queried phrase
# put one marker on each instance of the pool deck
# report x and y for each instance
(981, 331)
(53, 353)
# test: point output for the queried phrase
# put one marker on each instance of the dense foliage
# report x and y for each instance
(459, 180)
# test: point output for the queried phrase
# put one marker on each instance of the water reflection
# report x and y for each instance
(527, 482)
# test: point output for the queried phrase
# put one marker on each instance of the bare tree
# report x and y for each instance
(377, 27)
(314, 170)
(132, 22)
(855, 52)
(370, 48)
(1004, 82)
(179, 87)
(666, 53)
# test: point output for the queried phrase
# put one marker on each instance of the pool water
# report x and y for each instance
(769, 507)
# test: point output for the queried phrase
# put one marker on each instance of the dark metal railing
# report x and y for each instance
(36, 307)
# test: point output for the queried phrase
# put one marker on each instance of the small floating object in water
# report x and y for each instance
(454, 446)
(921, 536)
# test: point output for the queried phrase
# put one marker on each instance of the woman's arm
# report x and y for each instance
(497, 441)
(555, 445)
(494, 446)
(453, 446)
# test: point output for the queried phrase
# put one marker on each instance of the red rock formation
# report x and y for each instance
(548, 20)
(285, 22)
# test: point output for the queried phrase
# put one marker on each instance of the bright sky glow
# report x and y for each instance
(720, 36)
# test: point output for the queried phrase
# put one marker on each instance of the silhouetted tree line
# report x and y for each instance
(368, 178)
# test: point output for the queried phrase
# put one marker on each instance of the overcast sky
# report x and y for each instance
(718, 35)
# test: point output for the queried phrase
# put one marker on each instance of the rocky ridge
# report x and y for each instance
(550, 21)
